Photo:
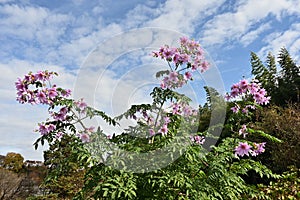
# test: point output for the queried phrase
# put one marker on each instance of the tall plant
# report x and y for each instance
(163, 155)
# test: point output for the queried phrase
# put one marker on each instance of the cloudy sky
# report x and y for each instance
(100, 46)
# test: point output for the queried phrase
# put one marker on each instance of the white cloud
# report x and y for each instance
(182, 15)
(250, 36)
(231, 26)
(289, 38)
(22, 21)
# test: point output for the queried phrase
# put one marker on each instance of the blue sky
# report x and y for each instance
(60, 35)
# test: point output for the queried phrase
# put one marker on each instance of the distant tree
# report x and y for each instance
(271, 82)
(289, 79)
(9, 184)
(258, 69)
(283, 85)
(13, 161)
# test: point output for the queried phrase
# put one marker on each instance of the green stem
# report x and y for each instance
(79, 120)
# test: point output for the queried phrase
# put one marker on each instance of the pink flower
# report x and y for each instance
(200, 53)
(61, 116)
(164, 129)
(66, 93)
(42, 129)
(187, 111)
(167, 120)
(176, 58)
(253, 88)
(163, 85)
(109, 137)
(42, 98)
(227, 97)
(40, 75)
(173, 76)
(258, 148)
(84, 137)
(59, 135)
(45, 129)
(245, 110)
(199, 139)
(90, 129)
(242, 149)
(243, 130)
(151, 132)
(251, 107)
(243, 85)
(168, 53)
(204, 66)
(20, 86)
(176, 108)
(52, 93)
(187, 75)
(183, 58)
(81, 105)
(51, 127)
(194, 67)
(235, 109)
(184, 40)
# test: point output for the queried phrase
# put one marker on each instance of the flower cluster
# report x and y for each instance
(159, 124)
(244, 88)
(44, 129)
(244, 149)
(32, 89)
(189, 54)
(61, 115)
(173, 80)
(252, 89)
(183, 109)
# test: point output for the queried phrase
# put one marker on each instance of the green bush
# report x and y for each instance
(287, 187)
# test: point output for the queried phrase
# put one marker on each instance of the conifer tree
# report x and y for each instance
(289, 79)
(283, 86)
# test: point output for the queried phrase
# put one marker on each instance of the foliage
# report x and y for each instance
(13, 161)
(284, 124)
(287, 187)
(65, 171)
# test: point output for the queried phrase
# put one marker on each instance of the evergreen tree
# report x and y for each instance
(258, 68)
(282, 86)
(289, 79)
(272, 71)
